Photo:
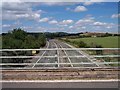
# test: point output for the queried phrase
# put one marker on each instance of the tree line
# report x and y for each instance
(18, 38)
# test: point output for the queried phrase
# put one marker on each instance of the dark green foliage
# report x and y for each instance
(82, 44)
(18, 38)
(94, 45)
(56, 34)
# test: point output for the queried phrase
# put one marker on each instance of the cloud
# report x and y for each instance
(77, 9)
(34, 28)
(104, 25)
(11, 1)
(70, 27)
(53, 22)
(89, 23)
(98, 0)
(18, 10)
(44, 20)
(27, 27)
(86, 20)
(68, 9)
(6, 25)
(88, 3)
(15, 6)
(115, 16)
(80, 9)
(65, 22)
(99, 24)
(58, 3)
(11, 26)
(83, 27)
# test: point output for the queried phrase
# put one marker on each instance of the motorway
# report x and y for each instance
(18, 79)
(58, 59)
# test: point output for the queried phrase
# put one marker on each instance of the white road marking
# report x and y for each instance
(84, 54)
(41, 56)
(67, 56)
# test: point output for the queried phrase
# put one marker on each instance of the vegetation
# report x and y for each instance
(18, 38)
(105, 42)
(97, 42)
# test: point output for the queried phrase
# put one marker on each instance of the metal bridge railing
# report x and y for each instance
(45, 60)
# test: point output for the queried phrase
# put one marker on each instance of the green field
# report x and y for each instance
(106, 42)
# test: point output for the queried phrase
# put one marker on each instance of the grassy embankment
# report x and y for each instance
(105, 42)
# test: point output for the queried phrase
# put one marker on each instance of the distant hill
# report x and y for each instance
(63, 34)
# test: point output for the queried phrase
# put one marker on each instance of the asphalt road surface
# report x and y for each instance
(59, 59)
(111, 84)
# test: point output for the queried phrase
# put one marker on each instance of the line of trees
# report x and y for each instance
(18, 38)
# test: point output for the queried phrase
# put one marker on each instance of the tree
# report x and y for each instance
(41, 41)
(29, 42)
(18, 34)
(18, 38)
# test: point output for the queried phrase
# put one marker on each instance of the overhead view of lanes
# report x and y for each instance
(58, 61)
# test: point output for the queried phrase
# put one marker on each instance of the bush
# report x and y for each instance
(94, 45)
(82, 44)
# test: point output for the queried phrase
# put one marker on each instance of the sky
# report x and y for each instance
(71, 17)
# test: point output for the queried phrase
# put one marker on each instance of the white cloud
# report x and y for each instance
(58, 3)
(5, 25)
(88, 3)
(11, 1)
(83, 27)
(44, 20)
(80, 9)
(70, 27)
(98, 0)
(65, 22)
(68, 8)
(115, 16)
(99, 24)
(108, 27)
(53, 22)
(15, 6)
(27, 27)
(87, 20)
(18, 10)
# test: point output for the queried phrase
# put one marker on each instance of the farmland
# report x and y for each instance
(105, 42)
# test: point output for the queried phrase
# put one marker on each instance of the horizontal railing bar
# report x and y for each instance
(105, 56)
(60, 56)
(57, 63)
(60, 49)
(36, 56)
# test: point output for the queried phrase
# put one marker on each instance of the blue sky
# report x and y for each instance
(61, 17)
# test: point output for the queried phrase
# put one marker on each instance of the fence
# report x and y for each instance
(59, 58)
